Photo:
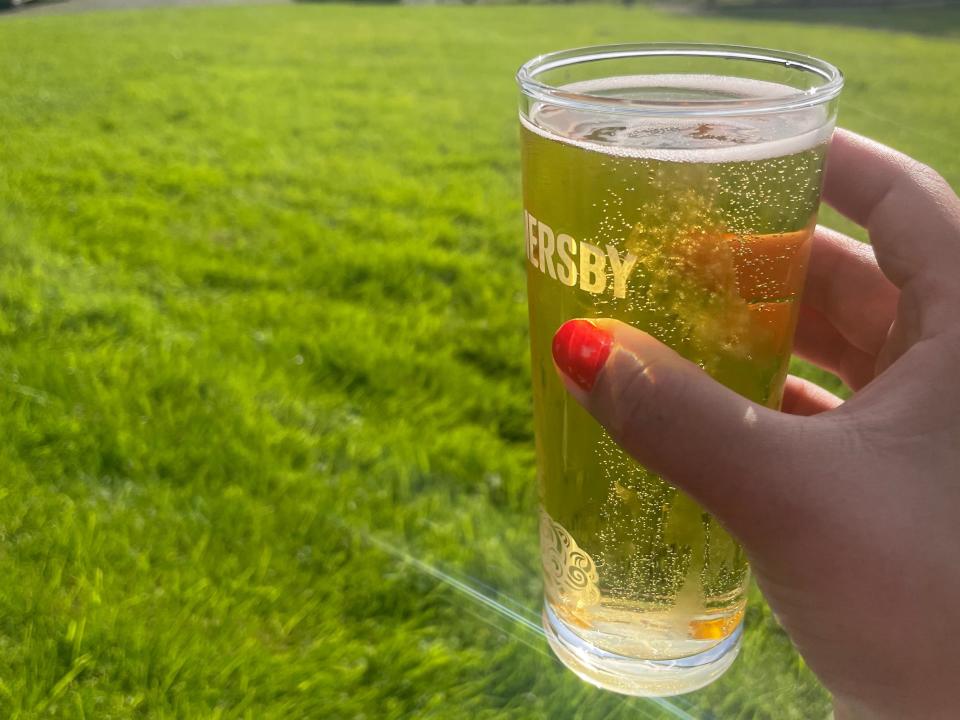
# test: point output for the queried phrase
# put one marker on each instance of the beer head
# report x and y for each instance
(726, 138)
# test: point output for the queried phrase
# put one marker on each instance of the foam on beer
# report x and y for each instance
(706, 139)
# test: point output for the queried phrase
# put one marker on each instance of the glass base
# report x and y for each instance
(633, 676)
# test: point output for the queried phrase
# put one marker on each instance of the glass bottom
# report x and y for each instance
(633, 676)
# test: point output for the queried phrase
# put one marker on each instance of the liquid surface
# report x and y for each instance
(692, 139)
(697, 232)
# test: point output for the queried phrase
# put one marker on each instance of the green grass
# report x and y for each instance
(261, 298)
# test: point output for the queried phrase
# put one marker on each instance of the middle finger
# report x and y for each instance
(847, 287)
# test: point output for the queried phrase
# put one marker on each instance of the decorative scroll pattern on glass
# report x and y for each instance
(569, 573)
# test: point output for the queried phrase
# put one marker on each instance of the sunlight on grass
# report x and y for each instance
(262, 288)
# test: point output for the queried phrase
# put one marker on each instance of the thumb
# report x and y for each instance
(748, 465)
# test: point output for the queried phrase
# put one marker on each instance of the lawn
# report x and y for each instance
(264, 413)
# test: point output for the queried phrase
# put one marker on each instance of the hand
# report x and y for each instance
(848, 511)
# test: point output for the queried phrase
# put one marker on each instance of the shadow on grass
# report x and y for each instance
(942, 20)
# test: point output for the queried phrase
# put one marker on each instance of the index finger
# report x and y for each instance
(911, 213)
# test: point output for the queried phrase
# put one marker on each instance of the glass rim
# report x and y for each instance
(527, 80)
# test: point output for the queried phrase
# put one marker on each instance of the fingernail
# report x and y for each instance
(580, 349)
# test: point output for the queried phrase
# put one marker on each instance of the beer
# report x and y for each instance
(697, 231)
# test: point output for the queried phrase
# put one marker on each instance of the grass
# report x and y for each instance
(262, 331)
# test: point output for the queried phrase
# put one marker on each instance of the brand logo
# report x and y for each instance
(575, 263)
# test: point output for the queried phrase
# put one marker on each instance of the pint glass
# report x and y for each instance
(675, 188)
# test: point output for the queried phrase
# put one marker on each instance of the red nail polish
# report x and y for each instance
(580, 349)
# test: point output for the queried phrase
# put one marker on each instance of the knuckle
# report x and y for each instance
(642, 399)
(933, 184)
(923, 172)
(933, 177)
(630, 406)
(919, 171)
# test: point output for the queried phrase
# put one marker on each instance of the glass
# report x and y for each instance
(676, 188)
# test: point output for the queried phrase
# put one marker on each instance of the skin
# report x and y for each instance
(848, 511)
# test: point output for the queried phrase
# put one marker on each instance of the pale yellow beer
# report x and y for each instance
(696, 230)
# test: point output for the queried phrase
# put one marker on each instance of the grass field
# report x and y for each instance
(262, 332)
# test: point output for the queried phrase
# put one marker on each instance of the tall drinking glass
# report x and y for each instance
(676, 188)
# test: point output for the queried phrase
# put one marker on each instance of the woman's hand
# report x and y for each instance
(849, 511)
